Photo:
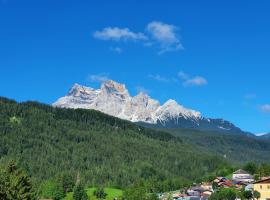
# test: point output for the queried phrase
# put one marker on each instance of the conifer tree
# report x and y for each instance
(79, 193)
(15, 184)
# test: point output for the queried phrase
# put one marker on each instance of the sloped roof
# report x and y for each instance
(240, 171)
(265, 181)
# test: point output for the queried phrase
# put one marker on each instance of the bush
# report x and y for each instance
(224, 194)
(100, 193)
(256, 194)
(247, 194)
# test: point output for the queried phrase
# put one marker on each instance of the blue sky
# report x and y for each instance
(212, 56)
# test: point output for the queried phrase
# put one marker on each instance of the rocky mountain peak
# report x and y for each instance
(141, 97)
(78, 90)
(113, 86)
(114, 99)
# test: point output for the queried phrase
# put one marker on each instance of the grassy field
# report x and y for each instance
(111, 193)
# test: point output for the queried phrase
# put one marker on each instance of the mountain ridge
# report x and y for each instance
(264, 136)
(114, 99)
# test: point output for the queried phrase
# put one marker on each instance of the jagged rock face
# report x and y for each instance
(114, 99)
(143, 108)
(111, 99)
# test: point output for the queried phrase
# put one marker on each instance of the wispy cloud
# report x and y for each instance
(118, 34)
(98, 77)
(165, 35)
(158, 77)
(265, 108)
(156, 34)
(196, 81)
(187, 80)
(182, 75)
(140, 89)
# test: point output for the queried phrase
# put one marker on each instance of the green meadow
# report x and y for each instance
(111, 193)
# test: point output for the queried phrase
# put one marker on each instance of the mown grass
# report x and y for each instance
(111, 193)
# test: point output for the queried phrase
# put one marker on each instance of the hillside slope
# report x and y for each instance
(265, 136)
(234, 147)
(102, 149)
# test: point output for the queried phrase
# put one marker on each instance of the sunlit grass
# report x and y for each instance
(111, 193)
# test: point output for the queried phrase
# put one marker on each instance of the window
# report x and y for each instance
(260, 186)
(268, 186)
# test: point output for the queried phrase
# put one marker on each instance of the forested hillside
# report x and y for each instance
(101, 149)
(238, 148)
(104, 150)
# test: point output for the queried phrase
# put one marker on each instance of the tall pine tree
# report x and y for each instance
(15, 184)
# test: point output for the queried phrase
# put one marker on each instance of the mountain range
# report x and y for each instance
(114, 99)
(265, 136)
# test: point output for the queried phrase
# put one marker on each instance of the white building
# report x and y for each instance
(243, 176)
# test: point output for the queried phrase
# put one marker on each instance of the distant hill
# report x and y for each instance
(265, 136)
(235, 147)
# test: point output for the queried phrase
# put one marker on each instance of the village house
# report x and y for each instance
(263, 187)
(242, 176)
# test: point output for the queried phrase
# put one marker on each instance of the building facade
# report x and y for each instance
(263, 187)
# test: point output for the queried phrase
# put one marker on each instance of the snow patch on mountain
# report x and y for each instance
(261, 134)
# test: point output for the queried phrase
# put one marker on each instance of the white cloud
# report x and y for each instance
(156, 34)
(158, 77)
(196, 81)
(192, 81)
(98, 77)
(116, 49)
(117, 34)
(265, 108)
(165, 35)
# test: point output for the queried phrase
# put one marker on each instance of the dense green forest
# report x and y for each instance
(238, 148)
(103, 150)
